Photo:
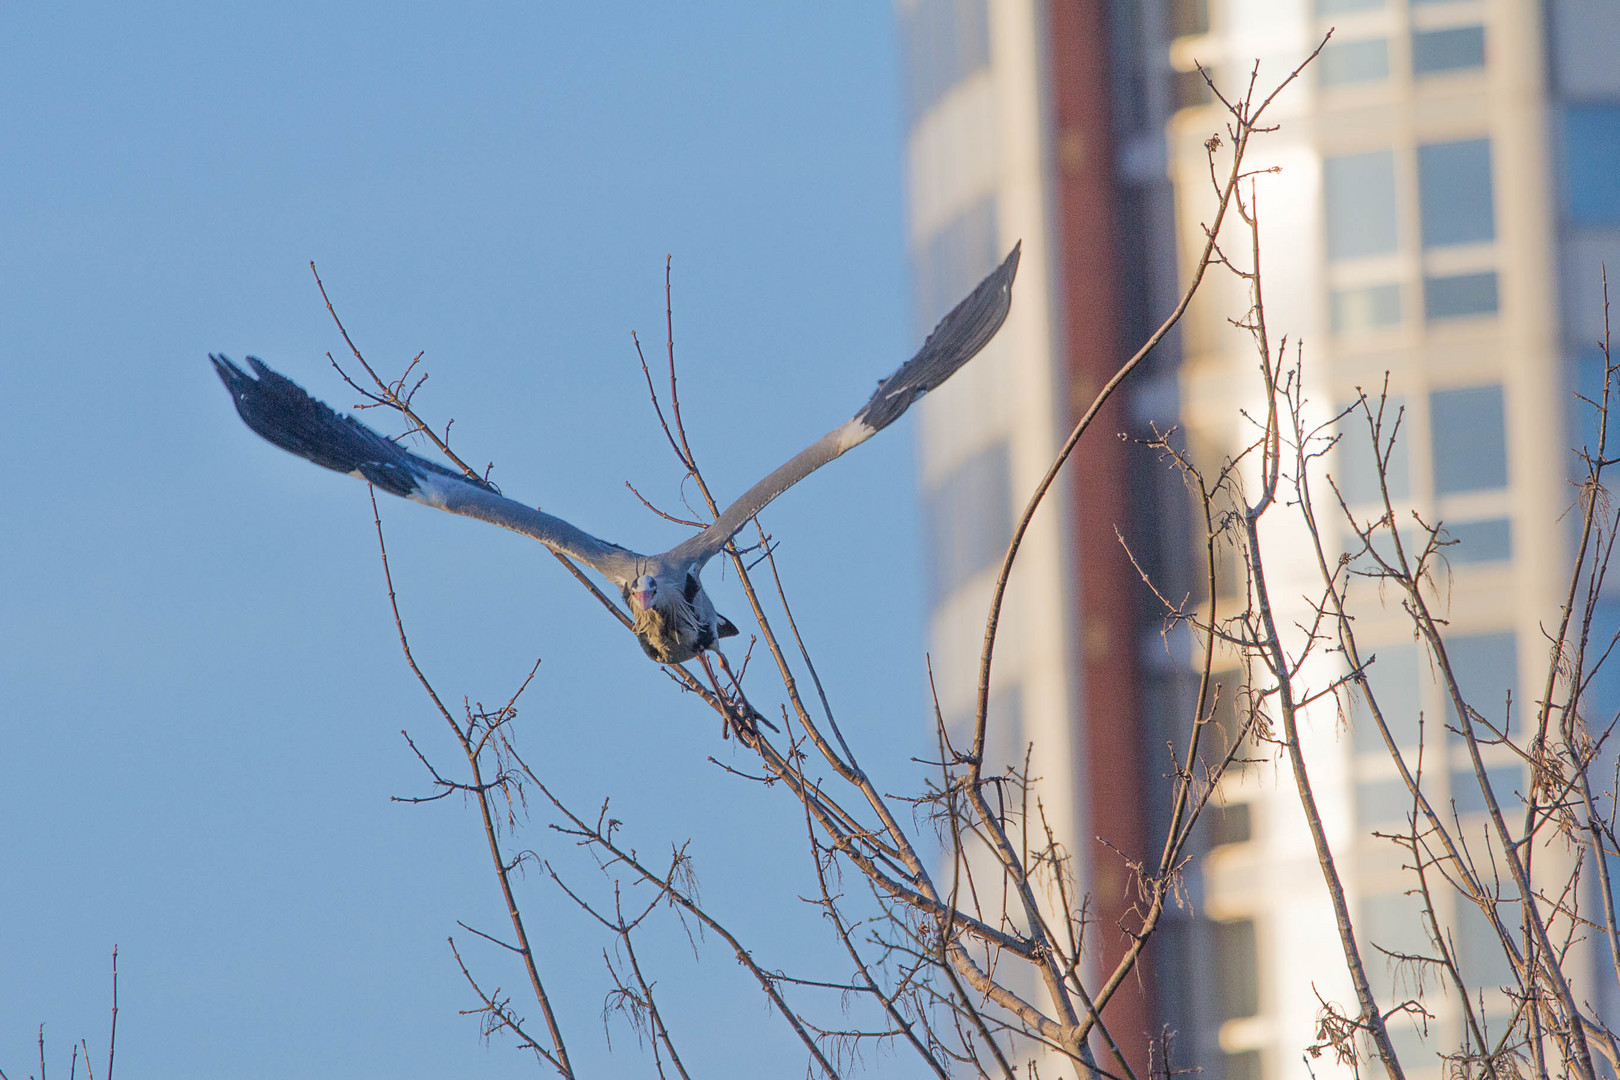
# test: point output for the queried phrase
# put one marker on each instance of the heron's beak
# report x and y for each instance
(641, 599)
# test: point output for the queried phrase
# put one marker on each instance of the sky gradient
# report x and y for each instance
(201, 692)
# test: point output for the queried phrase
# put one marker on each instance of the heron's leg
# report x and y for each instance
(739, 713)
(751, 716)
(720, 696)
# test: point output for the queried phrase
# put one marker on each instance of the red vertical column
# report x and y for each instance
(1086, 259)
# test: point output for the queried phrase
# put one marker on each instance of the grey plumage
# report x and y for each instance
(674, 617)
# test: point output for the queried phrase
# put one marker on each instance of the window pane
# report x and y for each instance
(1592, 164)
(945, 41)
(1383, 546)
(1359, 311)
(1190, 89)
(1354, 62)
(1395, 922)
(1237, 969)
(1392, 678)
(1355, 470)
(949, 263)
(1479, 541)
(1459, 295)
(969, 519)
(1435, 51)
(1481, 961)
(1359, 191)
(1602, 697)
(1230, 824)
(1470, 451)
(1590, 370)
(1486, 667)
(1189, 17)
(1243, 1065)
(1507, 782)
(1383, 804)
(1454, 192)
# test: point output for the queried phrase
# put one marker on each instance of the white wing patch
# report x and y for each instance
(431, 490)
(852, 433)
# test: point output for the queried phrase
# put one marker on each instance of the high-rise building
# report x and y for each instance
(1449, 185)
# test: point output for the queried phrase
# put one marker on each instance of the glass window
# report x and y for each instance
(1486, 667)
(1339, 7)
(1506, 784)
(1479, 541)
(969, 520)
(949, 263)
(1383, 546)
(1590, 371)
(1469, 441)
(1359, 192)
(1242, 1065)
(945, 41)
(1190, 90)
(1392, 678)
(1454, 192)
(1458, 296)
(1395, 922)
(1356, 470)
(1383, 804)
(1237, 969)
(1602, 697)
(1455, 49)
(1365, 309)
(1592, 163)
(1189, 17)
(1229, 824)
(1354, 62)
(1481, 959)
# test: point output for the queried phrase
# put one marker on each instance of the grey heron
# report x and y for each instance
(674, 618)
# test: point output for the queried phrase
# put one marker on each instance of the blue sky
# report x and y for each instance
(200, 689)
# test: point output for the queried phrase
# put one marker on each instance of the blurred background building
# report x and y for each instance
(1449, 186)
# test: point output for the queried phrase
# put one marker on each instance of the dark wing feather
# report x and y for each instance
(956, 340)
(281, 412)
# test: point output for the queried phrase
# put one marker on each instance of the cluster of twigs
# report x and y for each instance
(977, 956)
(81, 1049)
(1542, 862)
(973, 957)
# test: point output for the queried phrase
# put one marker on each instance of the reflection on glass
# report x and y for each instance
(1392, 679)
(1356, 469)
(1359, 193)
(947, 265)
(1394, 922)
(1353, 62)
(945, 41)
(1592, 163)
(1458, 48)
(1469, 440)
(1454, 192)
(1506, 782)
(1481, 960)
(1479, 541)
(1486, 667)
(1458, 296)
(1365, 309)
(969, 517)
(1237, 969)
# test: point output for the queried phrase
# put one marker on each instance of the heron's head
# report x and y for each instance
(643, 592)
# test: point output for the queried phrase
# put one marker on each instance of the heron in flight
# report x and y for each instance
(674, 618)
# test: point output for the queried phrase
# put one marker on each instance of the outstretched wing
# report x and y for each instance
(280, 411)
(956, 340)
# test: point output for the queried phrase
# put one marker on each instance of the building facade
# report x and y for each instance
(1449, 186)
